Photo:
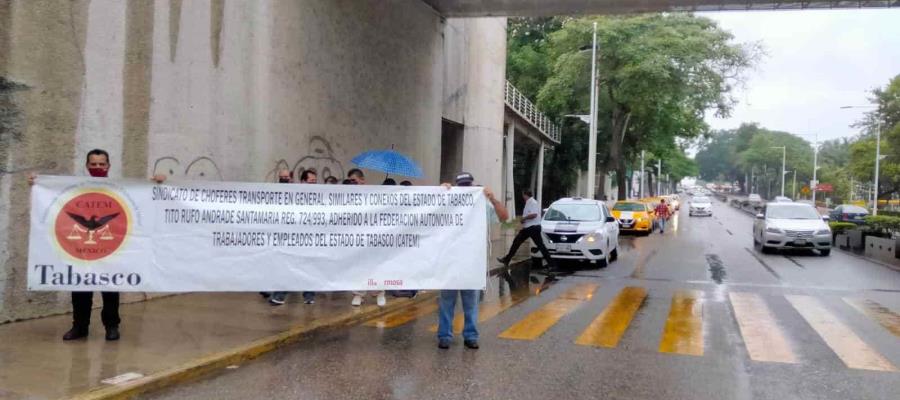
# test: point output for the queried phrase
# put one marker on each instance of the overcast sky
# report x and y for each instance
(816, 62)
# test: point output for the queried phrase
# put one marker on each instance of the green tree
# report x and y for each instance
(862, 152)
(659, 74)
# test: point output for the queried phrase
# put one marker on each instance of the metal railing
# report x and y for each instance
(518, 102)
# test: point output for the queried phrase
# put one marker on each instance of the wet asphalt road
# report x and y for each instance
(696, 313)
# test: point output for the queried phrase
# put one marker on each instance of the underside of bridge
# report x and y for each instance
(483, 8)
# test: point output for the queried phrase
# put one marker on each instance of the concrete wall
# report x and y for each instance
(474, 80)
(231, 90)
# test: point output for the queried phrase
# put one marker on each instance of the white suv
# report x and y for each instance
(791, 226)
(581, 229)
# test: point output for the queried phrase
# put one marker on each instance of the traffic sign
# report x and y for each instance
(805, 190)
(824, 187)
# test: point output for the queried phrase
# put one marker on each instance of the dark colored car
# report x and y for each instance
(849, 213)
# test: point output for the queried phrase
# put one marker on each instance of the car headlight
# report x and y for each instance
(773, 230)
(590, 238)
(823, 232)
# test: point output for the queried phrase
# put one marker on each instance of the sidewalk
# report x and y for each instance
(172, 339)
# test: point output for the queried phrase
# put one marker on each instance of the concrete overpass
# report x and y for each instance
(528, 132)
(483, 8)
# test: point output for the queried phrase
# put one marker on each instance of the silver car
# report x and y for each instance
(700, 205)
(791, 226)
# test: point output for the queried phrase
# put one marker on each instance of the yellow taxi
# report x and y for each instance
(634, 216)
(654, 201)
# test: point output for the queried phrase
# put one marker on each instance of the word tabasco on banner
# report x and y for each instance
(127, 235)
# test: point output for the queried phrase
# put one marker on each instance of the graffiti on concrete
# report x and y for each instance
(201, 168)
(320, 158)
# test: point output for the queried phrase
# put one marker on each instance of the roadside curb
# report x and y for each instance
(202, 366)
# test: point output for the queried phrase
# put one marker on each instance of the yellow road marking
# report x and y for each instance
(610, 325)
(764, 339)
(851, 349)
(683, 333)
(884, 316)
(539, 321)
(400, 317)
(486, 311)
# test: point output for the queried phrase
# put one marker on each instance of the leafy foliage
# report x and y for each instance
(659, 74)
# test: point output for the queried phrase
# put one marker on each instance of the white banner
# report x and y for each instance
(127, 235)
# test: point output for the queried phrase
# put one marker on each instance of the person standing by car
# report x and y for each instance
(662, 215)
(447, 301)
(531, 229)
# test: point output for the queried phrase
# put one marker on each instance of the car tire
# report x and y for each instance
(825, 253)
(765, 249)
(615, 254)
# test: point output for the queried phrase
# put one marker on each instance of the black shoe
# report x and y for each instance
(112, 333)
(503, 261)
(75, 333)
(443, 343)
(265, 295)
(472, 344)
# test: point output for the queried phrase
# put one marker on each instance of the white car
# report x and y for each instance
(754, 198)
(581, 229)
(791, 226)
(700, 205)
(782, 199)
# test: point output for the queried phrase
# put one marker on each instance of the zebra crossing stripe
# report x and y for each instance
(610, 325)
(763, 337)
(849, 347)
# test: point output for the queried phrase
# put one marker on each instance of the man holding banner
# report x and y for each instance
(97, 165)
(447, 301)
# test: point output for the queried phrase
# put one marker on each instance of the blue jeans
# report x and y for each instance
(662, 224)
(447, 303)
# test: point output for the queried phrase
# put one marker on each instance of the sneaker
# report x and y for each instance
(277, 299)
(381, 300)
(309, 301)
(265, 295)
(75, 333)
(443, 343)
(471, 344)
(357, 300)
(112, 333)
(503, 261)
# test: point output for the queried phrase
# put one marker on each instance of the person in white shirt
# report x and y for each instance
(531, 229)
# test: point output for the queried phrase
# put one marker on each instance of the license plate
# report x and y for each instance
(564, 247)
(626, 225)
(800, 241)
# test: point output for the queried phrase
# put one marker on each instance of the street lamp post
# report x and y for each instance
(783, 159)
(794, 186)
(815, 182)
(592, 136)
(658, 177)
(642, 174)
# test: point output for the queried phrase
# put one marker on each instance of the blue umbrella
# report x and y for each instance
(389, 162)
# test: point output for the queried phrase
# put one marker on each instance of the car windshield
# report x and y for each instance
(629, 207)
(573, 212)
(700, 200)
(854, 209)
(794, 212)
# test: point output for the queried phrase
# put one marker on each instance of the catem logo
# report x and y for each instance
(92, 225)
